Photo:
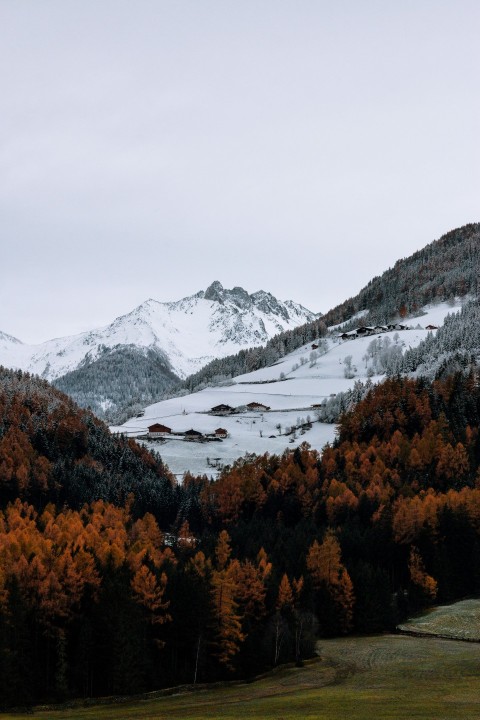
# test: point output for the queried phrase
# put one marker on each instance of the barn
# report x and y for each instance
(222, 410)
(257, 407)
(193, 435)
(157, 430)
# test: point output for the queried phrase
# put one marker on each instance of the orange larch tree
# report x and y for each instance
(326, 569)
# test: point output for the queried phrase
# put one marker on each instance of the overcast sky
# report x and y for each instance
(148, 148)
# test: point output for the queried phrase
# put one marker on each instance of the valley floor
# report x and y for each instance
(360, 678)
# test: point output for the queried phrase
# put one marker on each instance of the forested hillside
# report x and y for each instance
(120, 382)
(114, 579)
(51, 451)
(445, 268)
(455, 345)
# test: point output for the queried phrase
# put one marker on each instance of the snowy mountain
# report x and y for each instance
(7, 342)
(186, 334)
(144, 353)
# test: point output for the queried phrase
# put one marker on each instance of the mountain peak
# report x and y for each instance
(213, 292)
(239, 299)
(237, 295)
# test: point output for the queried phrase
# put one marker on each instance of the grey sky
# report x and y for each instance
(150, 147)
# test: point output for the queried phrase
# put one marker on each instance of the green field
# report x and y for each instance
(388, 676)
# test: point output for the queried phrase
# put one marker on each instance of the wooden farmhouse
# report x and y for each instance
(193, 435)
(221, 433)
(365, 330)
(257, 406)
(370, 330)
(222, 410)
(431, 327)
(157, 430)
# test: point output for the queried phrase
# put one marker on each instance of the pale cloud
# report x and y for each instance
(149, 148)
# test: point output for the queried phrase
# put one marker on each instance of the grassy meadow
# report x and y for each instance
(387, 676)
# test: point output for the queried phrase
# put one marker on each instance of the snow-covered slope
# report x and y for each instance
(7, 342)
(187, 333)
(291, 388)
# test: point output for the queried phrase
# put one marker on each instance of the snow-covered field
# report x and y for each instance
(290, 388)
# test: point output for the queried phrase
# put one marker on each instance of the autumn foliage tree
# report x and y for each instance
(227, 631)
(329, 575)
(420, 579)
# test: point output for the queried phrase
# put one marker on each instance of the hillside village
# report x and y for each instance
(276, 407)
(368, 330)
(157, 430)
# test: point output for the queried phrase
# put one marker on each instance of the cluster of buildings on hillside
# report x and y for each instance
(228, 410)
(377, 329)
(157, 431)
